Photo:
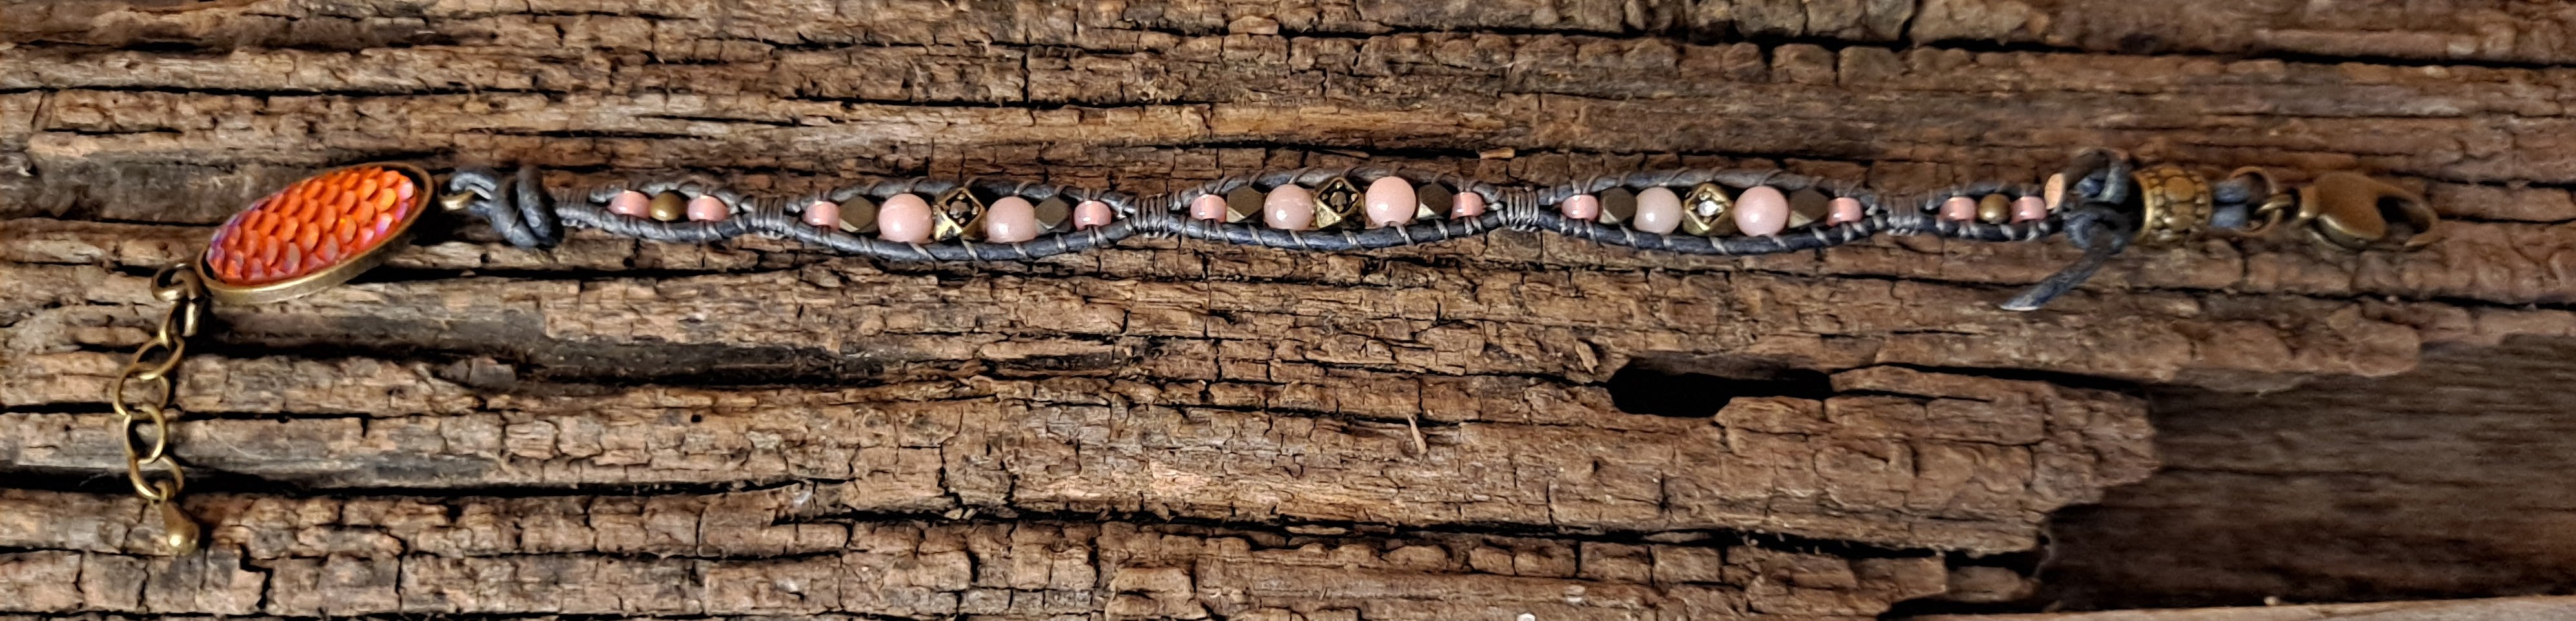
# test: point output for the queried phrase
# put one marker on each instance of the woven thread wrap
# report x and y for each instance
(521, 211)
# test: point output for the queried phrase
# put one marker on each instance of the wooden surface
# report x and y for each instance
(2499, 609)
(1185, 430)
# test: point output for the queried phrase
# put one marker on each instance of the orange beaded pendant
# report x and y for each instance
(318, 232)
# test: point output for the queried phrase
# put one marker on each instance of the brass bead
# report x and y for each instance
(1707, 211)
(1336, 202)
(1808, 206)
(1053, 213)
(859, 215)
(1994, 209)
(2175, 203)
(1436, 201)
(668, 207)
(1244, 203)
(957, 213)
(1618, 205)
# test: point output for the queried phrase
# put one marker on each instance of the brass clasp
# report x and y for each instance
(2353, 211)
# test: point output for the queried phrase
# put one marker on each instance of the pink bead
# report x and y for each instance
(823, 213)
(1843, 210)
(1289, 207)
(631, 204)
(905, 218)
(1390, 202)
(1010, 220)
(1208, 207)
(2029, 208)
(1092, 214)
(707, 209)
(1467, 205)
(1581, 207)
(1659, 211)
(1959, 208)
(1761, 210)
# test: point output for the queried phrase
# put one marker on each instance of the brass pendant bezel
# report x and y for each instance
(347, 268)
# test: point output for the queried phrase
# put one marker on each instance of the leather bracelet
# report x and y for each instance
(325, 229)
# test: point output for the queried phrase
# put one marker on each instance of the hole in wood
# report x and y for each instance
(1698, 389)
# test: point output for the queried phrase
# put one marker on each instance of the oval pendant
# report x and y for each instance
(318, 232)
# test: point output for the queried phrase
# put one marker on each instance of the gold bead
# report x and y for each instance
(1707, 211)
(1809, 205)
(668, 207)
(1243, 203)
(2175, 203)
(1337, 201)
(859, 215)
(1617, 205)
(1994, 209)
(956, 213)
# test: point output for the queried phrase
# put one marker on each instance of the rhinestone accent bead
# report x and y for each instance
(1336, 202)
(1707, 211)
(958, 213)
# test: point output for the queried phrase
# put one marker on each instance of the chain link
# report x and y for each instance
(143, 417)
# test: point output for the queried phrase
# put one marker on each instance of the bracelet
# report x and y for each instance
(326, 229)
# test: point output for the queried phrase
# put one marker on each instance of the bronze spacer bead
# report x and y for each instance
(668, 207)
(2176, 205)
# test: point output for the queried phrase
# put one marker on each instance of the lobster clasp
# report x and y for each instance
(2354, 212)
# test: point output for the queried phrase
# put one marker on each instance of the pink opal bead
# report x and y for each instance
(1842, 210)
(1208, 207)
(1390, 202)
(707, 209)
(1659, 211)
(1092, 215)
(1467, 205)
(631, 204)
(1010, 220)
(1581, 207)
(1761, 210)
(905, 218)
(2029, 208)
(1959, 208)
(1289, 207)
(823, 214)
